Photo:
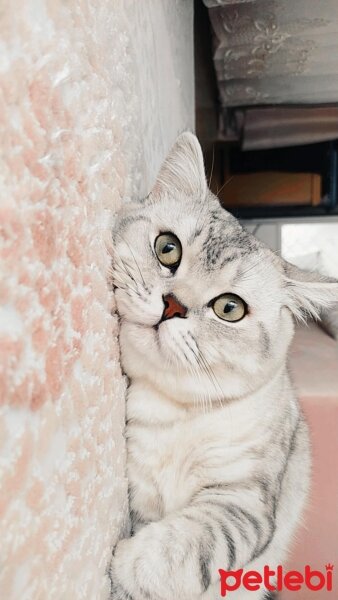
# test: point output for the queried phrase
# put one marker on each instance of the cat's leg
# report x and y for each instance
(179, 557)
(271, 557)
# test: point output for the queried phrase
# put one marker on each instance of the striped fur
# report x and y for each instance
(218, 456)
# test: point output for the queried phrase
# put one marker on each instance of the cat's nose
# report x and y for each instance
(173, 308)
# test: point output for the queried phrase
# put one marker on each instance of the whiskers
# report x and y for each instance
(123, 277)
(195, 361)
(136, 263)
(127, 275)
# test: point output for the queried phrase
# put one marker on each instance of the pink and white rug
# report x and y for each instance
(74, 134)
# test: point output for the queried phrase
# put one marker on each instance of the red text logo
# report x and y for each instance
(276, 580)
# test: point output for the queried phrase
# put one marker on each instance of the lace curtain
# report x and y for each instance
(275, 51)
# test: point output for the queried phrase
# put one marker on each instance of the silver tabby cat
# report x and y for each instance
(218, 451)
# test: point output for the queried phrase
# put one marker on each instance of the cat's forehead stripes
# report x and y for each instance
(225, 242)
(131, 219)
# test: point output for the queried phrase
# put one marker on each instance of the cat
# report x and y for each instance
(218, 450)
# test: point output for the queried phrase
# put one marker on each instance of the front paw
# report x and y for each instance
(133, 569)
(122, 571)
(117, 591)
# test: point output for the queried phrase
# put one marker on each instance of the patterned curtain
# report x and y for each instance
(275, 51)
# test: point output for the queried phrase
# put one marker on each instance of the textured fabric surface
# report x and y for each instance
(82, 126)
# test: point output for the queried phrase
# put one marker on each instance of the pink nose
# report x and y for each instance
(173, 308)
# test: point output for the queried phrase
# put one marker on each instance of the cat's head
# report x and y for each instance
(204, 305)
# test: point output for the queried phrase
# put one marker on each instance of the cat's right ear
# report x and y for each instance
(183, 170)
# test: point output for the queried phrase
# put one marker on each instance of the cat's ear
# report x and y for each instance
(183, 169)
(308, 292)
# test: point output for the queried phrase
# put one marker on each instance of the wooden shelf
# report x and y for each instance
(272, 188)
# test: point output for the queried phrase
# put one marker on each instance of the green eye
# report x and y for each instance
(168, 249)
(229, 307)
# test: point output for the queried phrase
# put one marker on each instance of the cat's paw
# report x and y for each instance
(133, 569)
(121, 571)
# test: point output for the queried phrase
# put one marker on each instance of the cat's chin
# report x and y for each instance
(156, 347)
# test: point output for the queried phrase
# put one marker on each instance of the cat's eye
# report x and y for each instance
(229, 307)
(168, 250)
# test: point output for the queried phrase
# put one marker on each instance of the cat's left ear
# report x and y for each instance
(183, 170)
(308, 292)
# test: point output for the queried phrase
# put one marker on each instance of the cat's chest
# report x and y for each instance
(169, 463)
(162, 469)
